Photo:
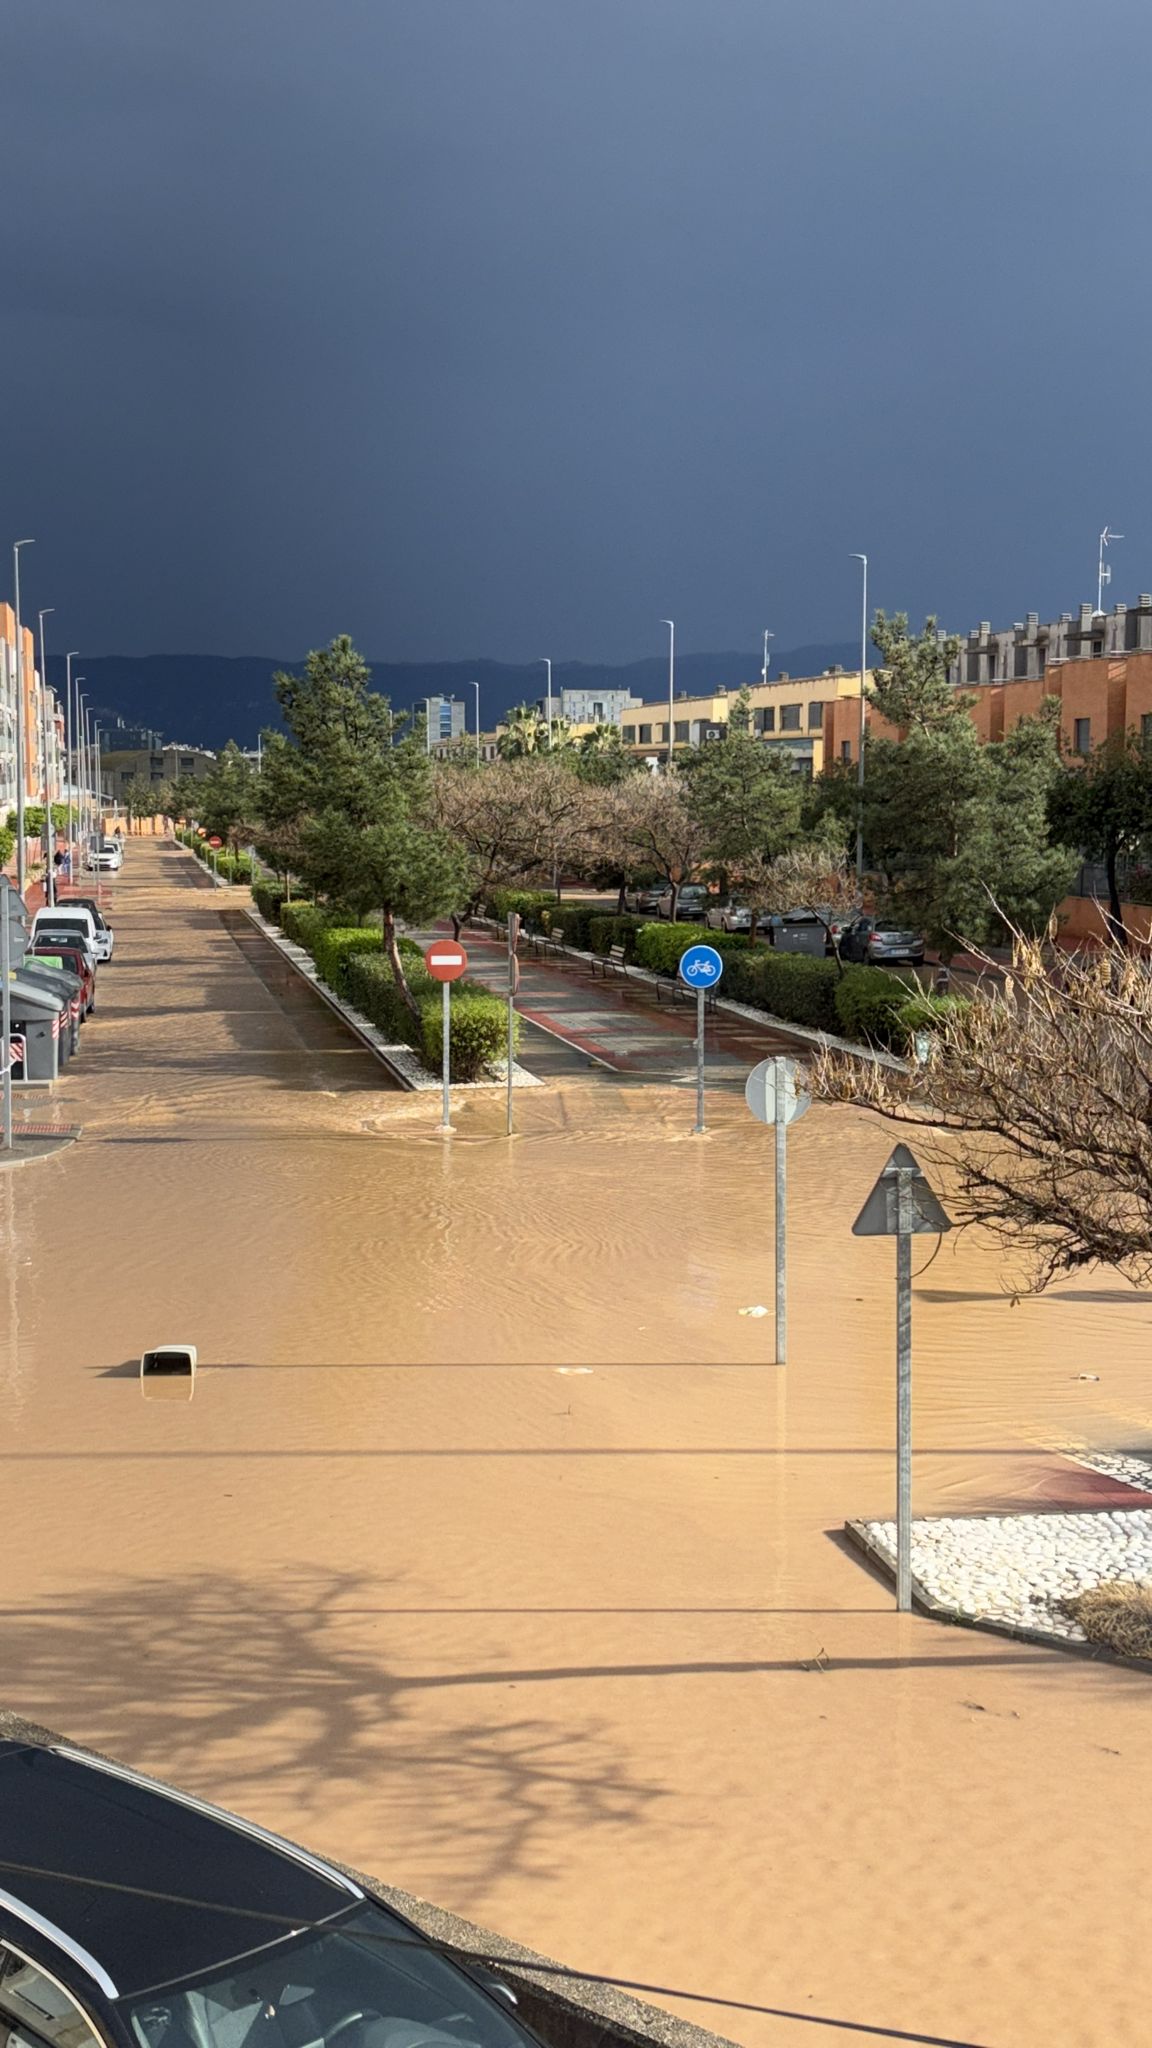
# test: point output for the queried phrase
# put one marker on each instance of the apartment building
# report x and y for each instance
(41, 720)
(788, 713)
(123, 765)
(589, 707)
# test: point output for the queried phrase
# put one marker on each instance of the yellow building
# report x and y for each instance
(787, 712)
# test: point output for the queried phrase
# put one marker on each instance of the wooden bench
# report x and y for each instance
(669, 984)
(611, 962)
(545, 942)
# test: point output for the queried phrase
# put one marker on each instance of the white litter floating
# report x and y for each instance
(570, 1371)
(759, 1310)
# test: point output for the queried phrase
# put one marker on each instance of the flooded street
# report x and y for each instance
(493, 1554)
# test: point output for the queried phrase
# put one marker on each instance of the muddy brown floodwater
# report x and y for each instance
(494, 1555)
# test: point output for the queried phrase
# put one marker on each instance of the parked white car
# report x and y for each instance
(55, 920)
(109, 855)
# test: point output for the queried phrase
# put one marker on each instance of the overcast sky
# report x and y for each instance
(510, 327)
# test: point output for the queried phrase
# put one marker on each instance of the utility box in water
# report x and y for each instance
(168, 1373)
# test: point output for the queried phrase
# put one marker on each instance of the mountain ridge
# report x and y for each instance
(207, 699)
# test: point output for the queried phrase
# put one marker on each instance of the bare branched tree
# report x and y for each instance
(1035, 1099)
(812, 876)
(517, 820)
(648, 827)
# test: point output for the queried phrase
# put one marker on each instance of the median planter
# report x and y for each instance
(479, 1020)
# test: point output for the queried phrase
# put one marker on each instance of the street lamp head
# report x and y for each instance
(858, 558)
(24, 543)
(667, 622)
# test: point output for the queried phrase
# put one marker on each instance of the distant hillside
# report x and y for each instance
(206, 699)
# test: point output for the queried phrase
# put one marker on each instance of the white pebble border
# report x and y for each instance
(1015, 1569)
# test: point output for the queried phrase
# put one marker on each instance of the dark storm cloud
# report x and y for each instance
(509, 326)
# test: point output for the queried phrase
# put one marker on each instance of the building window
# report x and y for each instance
(1146, 728)
(790, 717)
(1082, 735)
(645, 735)
(845, 750)
(767, 718)
(815, 715)
(629, 735)
(683, 731)
(598, 714)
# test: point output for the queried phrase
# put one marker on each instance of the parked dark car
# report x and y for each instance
(877, 940)
(76, 958)
(233, 1938)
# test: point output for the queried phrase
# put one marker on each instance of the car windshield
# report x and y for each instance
(371, 1983)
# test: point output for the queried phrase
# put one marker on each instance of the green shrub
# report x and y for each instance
(268, 897)
(225, 867)
(530, 903)
(924, 1013)
(604, 932)
(793, 986)
(868, 1006)
(576, 920)
(7, 845)
(335, 946)
(479, 1020)
(302, 923)
(660, 947)
(479, 1035)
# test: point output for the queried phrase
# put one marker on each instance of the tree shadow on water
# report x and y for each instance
(210, 1680)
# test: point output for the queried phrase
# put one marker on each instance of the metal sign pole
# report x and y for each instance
(513, 936)
(780, 1079)
(446, 1117)
(700, 1059)
(6, 1013)
(904, 1226)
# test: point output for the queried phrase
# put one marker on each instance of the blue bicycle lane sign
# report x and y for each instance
(701, 967)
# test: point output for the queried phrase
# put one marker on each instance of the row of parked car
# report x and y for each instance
(855, 937)
(54, 981)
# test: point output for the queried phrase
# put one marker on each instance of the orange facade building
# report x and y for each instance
(1099, 696)
(30, 713)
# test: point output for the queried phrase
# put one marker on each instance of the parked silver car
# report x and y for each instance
(730, 915)
(878, 939)
(691, 903)
(644, 898)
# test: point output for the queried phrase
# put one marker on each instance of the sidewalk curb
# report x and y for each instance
(402, 1063)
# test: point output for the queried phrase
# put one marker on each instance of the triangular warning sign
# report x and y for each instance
(879, 1216)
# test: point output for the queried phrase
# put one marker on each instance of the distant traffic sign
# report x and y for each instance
(701, 967)
(445, 960)
(215, 842)
(760, 1092)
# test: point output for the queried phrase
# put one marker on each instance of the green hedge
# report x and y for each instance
(302, 923)
(660, 947)
(530, 903)
(793, 986)
(868, 1006)
(7, 845)
(574, 920)
(334, 947)
(268, 898)
(604, 932)
(479, 1020)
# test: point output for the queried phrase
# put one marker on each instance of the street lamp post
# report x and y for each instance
(82, 723)
(70, 755)
(671, 625)
(548, 666)
(863, 560)
(764, 670)
(47, 835)
(98, 821)
(20, 765)
(476, 687)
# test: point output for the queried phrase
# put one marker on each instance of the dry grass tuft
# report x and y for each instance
(1117, 1614)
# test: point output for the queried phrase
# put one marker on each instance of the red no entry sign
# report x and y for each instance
(445, 960)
